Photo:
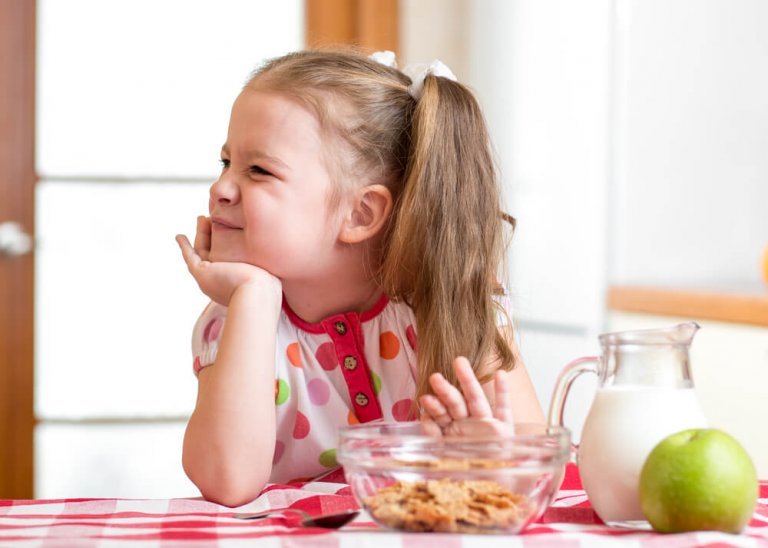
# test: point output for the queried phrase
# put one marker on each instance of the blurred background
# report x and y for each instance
(631, 137)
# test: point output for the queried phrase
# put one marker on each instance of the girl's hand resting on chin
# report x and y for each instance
(467, 412)
(219, 280)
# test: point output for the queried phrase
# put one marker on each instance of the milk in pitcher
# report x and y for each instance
(623, 425)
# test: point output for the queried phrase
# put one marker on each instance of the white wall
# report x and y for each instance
(690, 201)
(435, 29)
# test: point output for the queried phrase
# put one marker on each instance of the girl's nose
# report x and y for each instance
(224, 191)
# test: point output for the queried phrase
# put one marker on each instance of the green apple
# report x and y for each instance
(698, 480)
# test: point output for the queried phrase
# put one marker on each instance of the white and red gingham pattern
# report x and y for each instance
(569, 522)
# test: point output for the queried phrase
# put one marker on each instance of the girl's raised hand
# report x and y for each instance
(219, 280)
(467, 412)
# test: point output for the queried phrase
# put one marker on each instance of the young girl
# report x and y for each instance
(351, 255)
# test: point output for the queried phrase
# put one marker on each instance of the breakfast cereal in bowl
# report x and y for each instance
(408, 480)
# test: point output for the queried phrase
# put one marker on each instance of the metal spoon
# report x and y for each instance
(328, 521)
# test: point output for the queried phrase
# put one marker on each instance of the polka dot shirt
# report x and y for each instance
(346, 369)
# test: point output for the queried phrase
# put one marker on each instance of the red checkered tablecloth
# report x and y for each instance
(569, 522)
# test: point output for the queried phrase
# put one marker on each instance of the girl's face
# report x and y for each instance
(269, 206)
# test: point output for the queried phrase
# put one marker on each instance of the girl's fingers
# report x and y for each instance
(435, 410)
(203, 236)
(477, 403)
(430, 428)
(503, 405)
(187, 251)
(449, 396)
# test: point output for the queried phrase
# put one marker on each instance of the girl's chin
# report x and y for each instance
(223, 257)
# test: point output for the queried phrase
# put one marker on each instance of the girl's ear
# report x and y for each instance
(368, 212)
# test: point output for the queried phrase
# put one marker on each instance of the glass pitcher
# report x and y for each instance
(645, 392)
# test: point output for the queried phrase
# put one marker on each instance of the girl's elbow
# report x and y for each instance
(232, 495)
(232, 492)
(226, 487)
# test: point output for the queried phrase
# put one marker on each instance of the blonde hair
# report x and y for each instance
(444, 245)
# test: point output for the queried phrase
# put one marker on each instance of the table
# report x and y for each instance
(569, 522)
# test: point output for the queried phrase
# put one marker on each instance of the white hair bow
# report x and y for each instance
(417, 73)
(386, 58)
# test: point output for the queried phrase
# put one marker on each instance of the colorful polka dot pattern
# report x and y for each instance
(318, 391)
(352, 419)
(326, 356)
(293, 354)
(213, 330)
(410, 334)
(404, 410)
(328, 458)
(312, 395)
(301, 426)
(282, 391)
(376, 383)
(210, 335)
(389, 345)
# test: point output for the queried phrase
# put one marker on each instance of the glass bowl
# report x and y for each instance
(407, 480)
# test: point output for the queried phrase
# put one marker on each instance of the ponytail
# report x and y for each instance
(446, 241)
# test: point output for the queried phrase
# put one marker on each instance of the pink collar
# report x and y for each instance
(318, 327)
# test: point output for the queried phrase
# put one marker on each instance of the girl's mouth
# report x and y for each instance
(221, 224)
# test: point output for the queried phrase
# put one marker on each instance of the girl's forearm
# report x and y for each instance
(230, 438)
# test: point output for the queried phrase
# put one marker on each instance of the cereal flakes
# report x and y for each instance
(448, 506)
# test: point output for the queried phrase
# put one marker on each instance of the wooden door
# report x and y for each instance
(17, 181)
(369, 24)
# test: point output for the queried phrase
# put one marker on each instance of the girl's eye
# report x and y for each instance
(258, 170)
(224, 163)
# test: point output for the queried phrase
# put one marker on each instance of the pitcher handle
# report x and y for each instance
(563, 386)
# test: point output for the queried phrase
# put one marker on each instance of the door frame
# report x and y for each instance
(368, 24)
(17, 203)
